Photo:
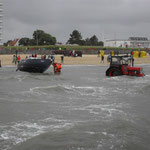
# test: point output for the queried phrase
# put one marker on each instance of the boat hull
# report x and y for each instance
(34, 65)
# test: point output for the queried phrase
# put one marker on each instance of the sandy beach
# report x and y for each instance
(84, 60)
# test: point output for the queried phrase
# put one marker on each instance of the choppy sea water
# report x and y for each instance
(80, 109)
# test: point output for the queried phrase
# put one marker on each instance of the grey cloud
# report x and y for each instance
(61, 17)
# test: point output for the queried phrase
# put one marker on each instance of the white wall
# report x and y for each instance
(117, 43)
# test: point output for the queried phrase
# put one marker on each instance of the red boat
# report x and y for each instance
(123, 65)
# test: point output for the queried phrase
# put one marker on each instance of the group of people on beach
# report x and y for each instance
(101, 54)
(113, 53)
(16, 59)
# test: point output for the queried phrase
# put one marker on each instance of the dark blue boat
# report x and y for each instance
(36, 65)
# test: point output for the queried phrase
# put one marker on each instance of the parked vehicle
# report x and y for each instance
(67, 53)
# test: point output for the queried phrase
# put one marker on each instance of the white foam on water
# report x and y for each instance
(117, 78)
(91, 91)
(4, 136)
(90, 132)
(37, 91)
(48, 90)
(90, 79)
(130, 84)
(49, 87)
(70, 89)
(80, 91)
(104, 133)
(16, 133)
(147, 75)
(104, 111)
(20, 78)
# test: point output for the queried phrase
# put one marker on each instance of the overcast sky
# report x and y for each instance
(107, 19)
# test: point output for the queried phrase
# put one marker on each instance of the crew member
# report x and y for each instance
(57, 67)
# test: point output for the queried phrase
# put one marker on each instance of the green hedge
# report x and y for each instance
(67, 47)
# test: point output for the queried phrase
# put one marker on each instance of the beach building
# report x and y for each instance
(15, 42)
(132, 42)
(1, 21)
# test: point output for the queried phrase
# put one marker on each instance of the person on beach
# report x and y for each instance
(98, 53)
(18, 58)
(14, 58)
(73, 53)
(62, 59)
(139, 53)
(109, 58)
(102, 59)
(117, 53)
(132, 53)
(132, 62)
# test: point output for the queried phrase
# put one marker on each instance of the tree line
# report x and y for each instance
(41, 38)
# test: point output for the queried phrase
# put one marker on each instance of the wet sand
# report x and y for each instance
(84, 60)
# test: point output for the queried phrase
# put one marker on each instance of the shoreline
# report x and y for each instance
(6, 60)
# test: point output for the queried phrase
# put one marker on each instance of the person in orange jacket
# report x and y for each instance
(57, 67)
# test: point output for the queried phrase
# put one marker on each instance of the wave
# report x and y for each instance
(15, 133)
(13, 77)
(129, 85)
(47, 89)
(26, 76)
(70, 89)
(145, 90)
(78, 91)
(104, 111)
